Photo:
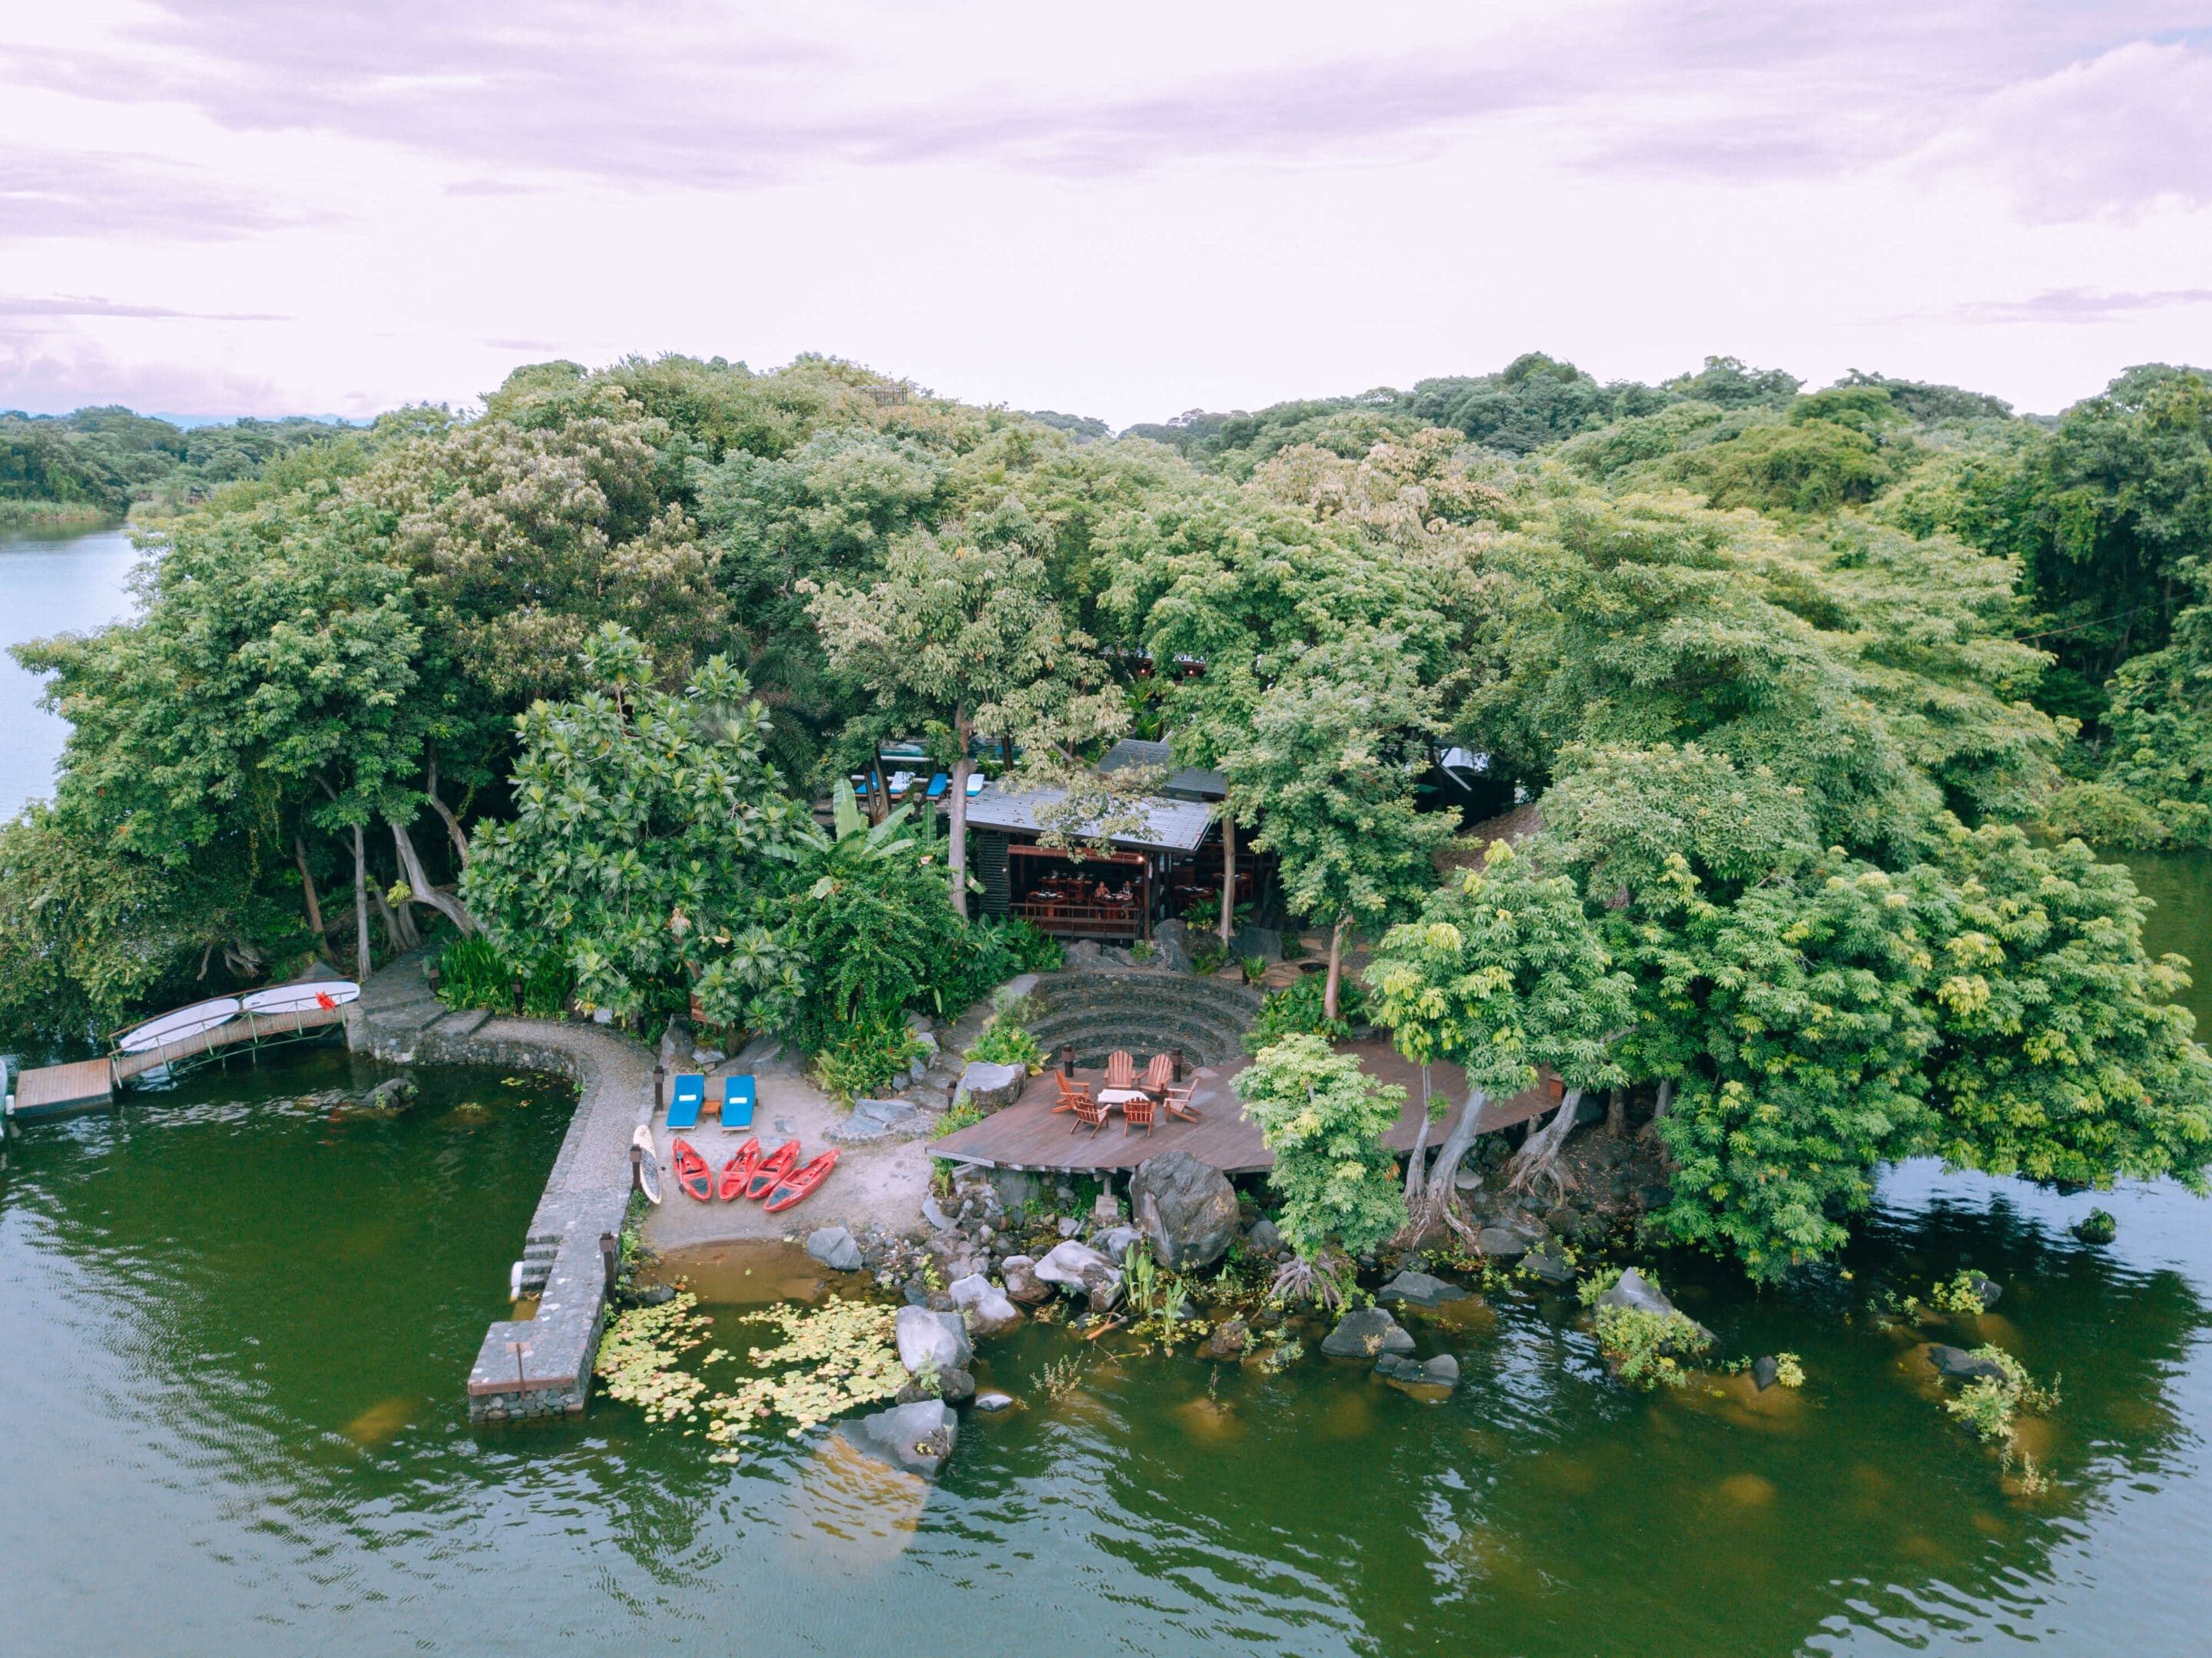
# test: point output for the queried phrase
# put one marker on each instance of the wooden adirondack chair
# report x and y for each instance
(1139, 1111)
(1159, 1075)
(1175, 1102)
(1072, 1093)
(1089, 1114)
(1121, 1070)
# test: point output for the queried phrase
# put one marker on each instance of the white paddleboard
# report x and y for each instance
(175, 1027)
(648, 1166)
(304, 997)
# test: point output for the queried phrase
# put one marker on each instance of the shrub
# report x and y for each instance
(1645, 1348)
(472, 972)
(965, 1114)
(1003, 1041)
(1296, 1011)
(865, 1059)
(1033, 950)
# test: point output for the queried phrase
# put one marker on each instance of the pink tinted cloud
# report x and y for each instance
(694, 95)
(2076, 305)
(56, 192)
(43, 373)
(62, 305)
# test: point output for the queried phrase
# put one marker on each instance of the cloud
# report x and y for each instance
(44, 374)
(94, 305)
(706, 98)
(54, 192)
(2074, 304)
(2109, 138)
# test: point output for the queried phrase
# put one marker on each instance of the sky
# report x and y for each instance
(269, 207)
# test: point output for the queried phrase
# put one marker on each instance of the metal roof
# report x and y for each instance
(1172, 825)
(1192, 782)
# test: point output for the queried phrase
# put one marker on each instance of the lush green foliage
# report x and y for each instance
(99, 463)
(1003, 1042)
(1323, 1118)
(1300, 1009)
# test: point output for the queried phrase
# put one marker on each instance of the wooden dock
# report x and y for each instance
(85, 1084)
(1030, 1134)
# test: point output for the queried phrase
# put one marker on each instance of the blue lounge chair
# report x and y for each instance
(938, 785)
(690, 1093)
(738, 1094)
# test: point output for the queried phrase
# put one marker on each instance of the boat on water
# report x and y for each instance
(176, 1026)
(306, 997)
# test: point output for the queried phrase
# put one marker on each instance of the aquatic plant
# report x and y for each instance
(1789, 1370)
(1991, 1405)
(639, 1355)
(1645, 1348)
(1060, 1378)
(833, 1359)
(1961, 1293)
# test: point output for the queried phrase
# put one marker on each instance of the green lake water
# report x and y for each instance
(234, 1333)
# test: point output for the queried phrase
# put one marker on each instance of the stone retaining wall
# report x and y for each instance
(586, 1194)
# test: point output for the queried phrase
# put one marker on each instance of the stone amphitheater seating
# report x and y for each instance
(1143, 1011)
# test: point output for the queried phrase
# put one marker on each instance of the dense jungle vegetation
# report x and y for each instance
(1799, 681)
(97, 464)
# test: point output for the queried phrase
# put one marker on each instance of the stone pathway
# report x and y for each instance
(539, 1366)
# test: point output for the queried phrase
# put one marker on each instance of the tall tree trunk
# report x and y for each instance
(1416, 1173)
(453, 824)
(1228, 924)
(1665, 1103)
(399, 931)
(1432, 1205)
(1331, 995)
(956, 854)
(1537, 1160)
(1616, 1114)
(361, 958)
(880, 802)
(307, 886)
(410, 871)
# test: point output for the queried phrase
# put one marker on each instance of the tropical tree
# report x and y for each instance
(634, 859)
(963, 633)
(1323, 1118)
(1326, 768)
(1504, 976)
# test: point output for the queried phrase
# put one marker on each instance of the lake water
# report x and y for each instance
(233, 1331)
(49, 585)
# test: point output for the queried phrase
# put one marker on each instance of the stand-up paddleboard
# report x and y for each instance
(302, 998)
(175, 1027)
(648, 1165)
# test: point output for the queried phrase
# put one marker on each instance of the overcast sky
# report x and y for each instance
(1121, 210)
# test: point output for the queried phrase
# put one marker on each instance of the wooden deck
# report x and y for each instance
(63, 1088)
(1030, 1134)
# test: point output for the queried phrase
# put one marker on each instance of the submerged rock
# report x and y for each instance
(1957, 1364)
(1365, 1332)
(1548, 1265)
(926, 1338)
(833, 1246)
(1765, 1371)
(1229, 1339)
(1984, 1287)
(992, 1403)
(1417, 1288)
(1442, 1371)
(1186, 1208)
(917, 1437)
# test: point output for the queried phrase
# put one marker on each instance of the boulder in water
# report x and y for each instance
(985, 1306)
(1420, 1290)
(833, 1246)
(2098, 1226)
(926, 1338)
(1497, 1242)
(1186, 1208)
(1019, 1273)
(1365, 1332)
(1957, 1364)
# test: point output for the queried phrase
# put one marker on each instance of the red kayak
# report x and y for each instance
(792, 1187)
(739, 1169)
(769, 1174)
(690, 1170)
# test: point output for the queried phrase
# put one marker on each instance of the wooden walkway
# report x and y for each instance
(1030, 1134)
(85, 1083)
